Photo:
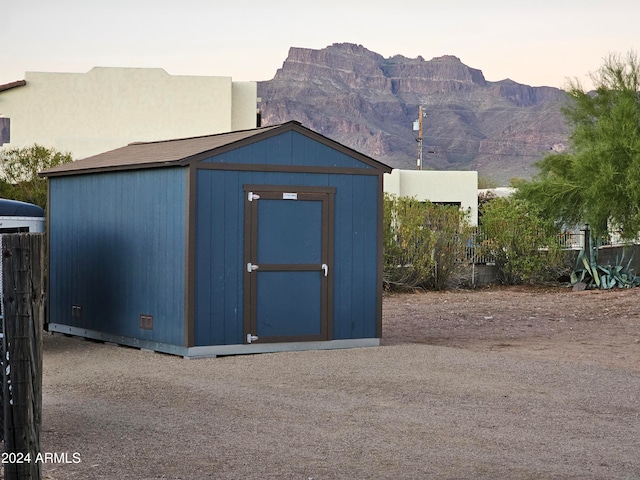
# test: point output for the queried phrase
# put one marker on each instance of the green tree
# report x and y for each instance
(598, 180)
(19, 169)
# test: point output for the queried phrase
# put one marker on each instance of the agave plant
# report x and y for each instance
(593, 275)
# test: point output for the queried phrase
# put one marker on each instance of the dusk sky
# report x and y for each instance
(535, 43)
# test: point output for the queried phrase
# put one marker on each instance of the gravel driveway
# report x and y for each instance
(408, 410)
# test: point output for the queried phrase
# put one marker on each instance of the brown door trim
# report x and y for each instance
(327, 196)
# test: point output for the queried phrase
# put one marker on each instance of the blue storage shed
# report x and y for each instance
(252, 241)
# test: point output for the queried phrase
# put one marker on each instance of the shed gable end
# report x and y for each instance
(289, 149)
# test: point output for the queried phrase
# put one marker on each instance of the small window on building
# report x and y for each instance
(5, 137)
(14, 230)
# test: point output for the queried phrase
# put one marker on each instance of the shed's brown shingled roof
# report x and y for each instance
(182, 151)
(158, 153)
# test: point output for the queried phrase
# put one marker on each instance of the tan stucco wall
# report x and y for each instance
(436, 186)
(106, 108)
(245, 106)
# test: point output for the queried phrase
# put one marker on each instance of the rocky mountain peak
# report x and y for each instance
(369, 103)
(339, 60)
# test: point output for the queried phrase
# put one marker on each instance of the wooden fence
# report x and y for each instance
(23, 316)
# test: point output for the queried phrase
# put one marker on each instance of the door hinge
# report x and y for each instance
(252, 196)
(251, 267)
(251, 338)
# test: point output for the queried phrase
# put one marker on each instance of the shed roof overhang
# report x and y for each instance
(185, 151)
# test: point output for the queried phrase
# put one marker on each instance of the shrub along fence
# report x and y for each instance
(429, 246)
(424, 243)
(611, 251)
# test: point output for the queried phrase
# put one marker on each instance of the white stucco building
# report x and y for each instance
(106, 108)
(447, 187)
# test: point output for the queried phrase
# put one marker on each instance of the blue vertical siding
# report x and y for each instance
(290, 148)
(356, 244)
(219, 256)
(117, 244)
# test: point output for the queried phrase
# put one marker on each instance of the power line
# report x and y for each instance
(436, 142)
(461, 152)
(456, 108)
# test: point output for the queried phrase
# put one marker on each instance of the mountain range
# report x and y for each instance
(371, 104)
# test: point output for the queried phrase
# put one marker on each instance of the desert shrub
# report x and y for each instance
(523, 244)
(424, 243)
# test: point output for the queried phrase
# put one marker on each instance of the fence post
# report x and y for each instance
(23, 302)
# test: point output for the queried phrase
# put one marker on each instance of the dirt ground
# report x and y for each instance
(513, 383)
(598, 327)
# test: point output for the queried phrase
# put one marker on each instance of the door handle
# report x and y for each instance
(325, 269)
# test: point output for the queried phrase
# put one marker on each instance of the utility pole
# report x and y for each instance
(417, 125)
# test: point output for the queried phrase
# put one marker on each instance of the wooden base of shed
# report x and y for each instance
(212, 351)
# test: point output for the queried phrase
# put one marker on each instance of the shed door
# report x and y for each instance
(287, 264)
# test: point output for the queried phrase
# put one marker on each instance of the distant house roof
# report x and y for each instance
(9, 86)
(183, 151)
(14, 208)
